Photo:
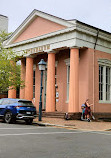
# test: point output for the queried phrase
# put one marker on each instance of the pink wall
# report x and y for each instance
(39, 26)
(100, 107)
(86, 79)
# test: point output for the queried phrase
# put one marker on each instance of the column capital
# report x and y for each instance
(29, 56)
(74, 47)
(52, 51)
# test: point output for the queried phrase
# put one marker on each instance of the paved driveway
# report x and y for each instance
(32, 141)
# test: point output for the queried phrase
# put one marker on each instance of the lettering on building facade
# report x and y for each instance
(38, 49)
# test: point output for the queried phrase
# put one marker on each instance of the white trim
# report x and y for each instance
(104, 102)
(64, 38)
(105, 63)
(42, 37)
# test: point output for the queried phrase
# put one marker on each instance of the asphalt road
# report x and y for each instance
(32, 141)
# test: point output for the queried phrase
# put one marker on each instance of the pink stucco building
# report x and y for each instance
(78, 58)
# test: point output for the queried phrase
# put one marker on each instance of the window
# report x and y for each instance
(33, 83)
(105, 81)
(68, 76)
(25, 103)
(67, 61)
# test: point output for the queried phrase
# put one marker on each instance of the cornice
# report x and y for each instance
(93, 31)
(78, 28)
(79, 35)
(40, 37)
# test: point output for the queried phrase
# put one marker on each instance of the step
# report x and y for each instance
(53, 114)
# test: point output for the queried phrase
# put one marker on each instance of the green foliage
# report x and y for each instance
(9, 70)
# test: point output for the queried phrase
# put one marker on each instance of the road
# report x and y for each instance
(32, 141)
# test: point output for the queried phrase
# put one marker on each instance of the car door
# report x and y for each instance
(3, 105)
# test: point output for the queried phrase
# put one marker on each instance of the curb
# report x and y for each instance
(56, 125)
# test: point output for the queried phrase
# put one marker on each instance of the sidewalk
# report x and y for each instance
(75, 124)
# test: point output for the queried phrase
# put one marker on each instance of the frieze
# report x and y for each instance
(38, 49)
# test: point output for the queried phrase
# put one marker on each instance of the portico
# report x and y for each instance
(27, 76)
(71, 75)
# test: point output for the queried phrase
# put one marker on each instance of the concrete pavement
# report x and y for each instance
(75, 124)
(32, 141)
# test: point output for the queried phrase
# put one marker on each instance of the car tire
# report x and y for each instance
(8, 117)
(29, 121)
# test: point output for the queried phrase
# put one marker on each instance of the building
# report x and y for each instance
(78, 60)
(3, 27)
(3, 23)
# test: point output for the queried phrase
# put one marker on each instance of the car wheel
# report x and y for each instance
(8, 117)
(29, 121)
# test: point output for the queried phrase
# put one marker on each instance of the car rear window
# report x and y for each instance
(25, 103)
(7, 101)
(1, 100)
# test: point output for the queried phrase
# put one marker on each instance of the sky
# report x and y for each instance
(93, 12)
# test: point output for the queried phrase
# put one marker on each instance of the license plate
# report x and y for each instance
(28, 112)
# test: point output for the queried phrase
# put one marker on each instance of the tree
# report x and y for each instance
(9, 70)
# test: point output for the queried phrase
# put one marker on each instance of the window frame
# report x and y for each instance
(105, 63)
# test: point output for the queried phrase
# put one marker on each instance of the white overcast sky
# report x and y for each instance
(93, 12)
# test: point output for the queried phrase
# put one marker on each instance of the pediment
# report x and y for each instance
(37, 24)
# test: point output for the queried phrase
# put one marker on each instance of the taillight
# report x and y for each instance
(18, 107)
